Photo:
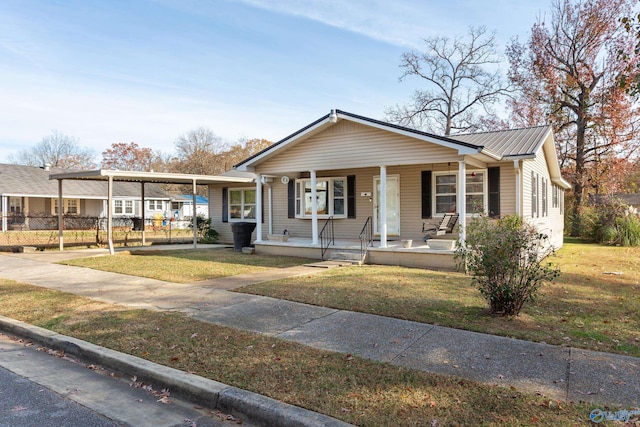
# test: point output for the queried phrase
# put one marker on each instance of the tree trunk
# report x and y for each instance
(578, 181)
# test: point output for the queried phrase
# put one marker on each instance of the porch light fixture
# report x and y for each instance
(333, 117)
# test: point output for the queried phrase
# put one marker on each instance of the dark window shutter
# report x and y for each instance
(494, 192)
(291, 199)
(351, 196)
(262, 204)
(225, 204)
(426, 194)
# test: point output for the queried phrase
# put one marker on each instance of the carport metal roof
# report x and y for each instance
(142, 177)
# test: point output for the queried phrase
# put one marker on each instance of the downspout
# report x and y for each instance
(516, 165)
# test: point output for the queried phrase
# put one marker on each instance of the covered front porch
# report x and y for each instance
(435, 253)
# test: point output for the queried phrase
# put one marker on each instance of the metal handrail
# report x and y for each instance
(366, 236)
(326, 234)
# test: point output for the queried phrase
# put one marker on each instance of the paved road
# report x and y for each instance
(45, 388)
(26, 403)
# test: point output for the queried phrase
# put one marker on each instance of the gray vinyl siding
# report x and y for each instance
(349, 145)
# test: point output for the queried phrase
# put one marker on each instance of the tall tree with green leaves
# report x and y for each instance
(568, 74)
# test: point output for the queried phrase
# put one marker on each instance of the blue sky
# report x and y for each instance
(149, 71)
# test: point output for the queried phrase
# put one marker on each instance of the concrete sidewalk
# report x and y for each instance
(558, 372)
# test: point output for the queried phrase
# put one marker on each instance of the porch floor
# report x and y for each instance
(419, 255)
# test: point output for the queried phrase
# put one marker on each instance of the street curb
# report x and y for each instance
(254, 407)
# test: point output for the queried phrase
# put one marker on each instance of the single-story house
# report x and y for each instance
(29, 199)
(182, 206)
(330, 184)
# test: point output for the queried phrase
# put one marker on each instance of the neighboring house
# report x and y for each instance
(631, 199)
(29, 199)
(351, 168)
(182, 206)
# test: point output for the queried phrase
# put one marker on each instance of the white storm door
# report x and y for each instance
(393, 205)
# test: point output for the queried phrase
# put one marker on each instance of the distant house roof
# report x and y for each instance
(187, 199)
(632, 199)
(30, 181)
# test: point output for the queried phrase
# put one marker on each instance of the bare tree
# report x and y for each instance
(569, 75)
(58, 151)
(197, 152)
(463, 82)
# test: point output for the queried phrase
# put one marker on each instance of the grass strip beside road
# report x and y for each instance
(186, 265)
(355, 390)
(594, 304)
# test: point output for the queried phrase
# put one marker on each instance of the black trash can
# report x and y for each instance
(138, 223)
(242, 234)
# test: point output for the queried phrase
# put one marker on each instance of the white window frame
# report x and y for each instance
(485, 191)
(124, 205)
(535, 213)
(300, 200)
(157, 205)
(15, 205)
(66, 204)
(243, 205)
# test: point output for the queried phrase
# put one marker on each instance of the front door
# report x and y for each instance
(393, 205)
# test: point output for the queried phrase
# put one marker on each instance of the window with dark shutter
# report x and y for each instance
(291, 199)
(351, 196)
(225, 205)
(494, 192)
(426, 194)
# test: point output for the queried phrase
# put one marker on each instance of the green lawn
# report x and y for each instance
(586, 307)
(355, 390)
(186, 265)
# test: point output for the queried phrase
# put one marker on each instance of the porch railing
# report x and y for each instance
(366, 238)
(326, 236)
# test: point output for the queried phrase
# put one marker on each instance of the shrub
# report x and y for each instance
(615, 223)
(206, 234)
(507, 260)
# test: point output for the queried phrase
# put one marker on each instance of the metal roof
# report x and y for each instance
(155, 177)
(510, 142)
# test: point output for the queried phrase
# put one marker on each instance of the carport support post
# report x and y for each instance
(142, 212)
(60, 217)
(110, 214)
(258, 207)
(314, 208)
(462, 200)
(194, 195)
(5, 202)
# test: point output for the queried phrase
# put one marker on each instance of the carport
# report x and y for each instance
(142, 177)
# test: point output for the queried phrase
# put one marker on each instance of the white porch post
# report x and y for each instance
(60, 217)
(110, 215)
(462, 200)
(314, 208)
(258, 208)
(516, 165)
(5, 202)
(142, 211)
(270, 205)
(382, 206)
(194, 198)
